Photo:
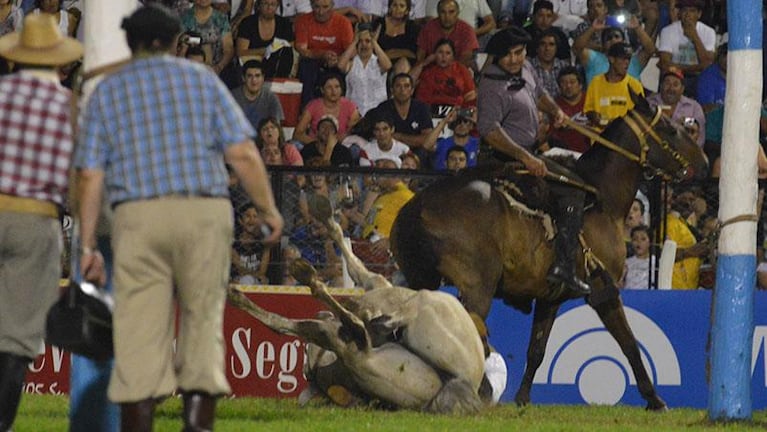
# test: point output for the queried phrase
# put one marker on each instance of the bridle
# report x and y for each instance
(641, 130)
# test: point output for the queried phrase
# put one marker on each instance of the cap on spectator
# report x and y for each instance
(675, 71)
(620, 50)
(40, 42)
(328, 118)
(680, 4)
(542, 4)
(504, 40)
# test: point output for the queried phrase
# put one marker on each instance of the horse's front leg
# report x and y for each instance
(543, 321)
(612, 315)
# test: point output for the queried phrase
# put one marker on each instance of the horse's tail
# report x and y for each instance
(413, 247)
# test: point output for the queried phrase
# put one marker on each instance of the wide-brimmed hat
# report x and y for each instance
(40, 42)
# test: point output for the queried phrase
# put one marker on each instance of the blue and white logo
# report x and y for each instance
(581, 351)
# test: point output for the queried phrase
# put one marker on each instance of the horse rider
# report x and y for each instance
(508, 103)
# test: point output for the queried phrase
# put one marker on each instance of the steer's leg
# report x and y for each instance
(320, 332)
(307, 275)
(612, 315)
(543, 320)
(357, 270)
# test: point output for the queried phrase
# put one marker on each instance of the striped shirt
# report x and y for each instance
(159, 126)
(35, 137)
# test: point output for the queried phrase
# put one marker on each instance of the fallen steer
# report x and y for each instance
(410, 349)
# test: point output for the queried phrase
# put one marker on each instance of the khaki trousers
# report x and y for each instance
(170, 252)
(30, 268)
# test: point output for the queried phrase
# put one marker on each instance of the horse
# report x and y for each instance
(409, 349)
(463, 230)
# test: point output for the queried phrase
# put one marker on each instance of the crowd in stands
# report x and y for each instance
(392, 84)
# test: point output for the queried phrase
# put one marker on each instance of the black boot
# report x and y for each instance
(13, 369)
(137, 416)
(569, 223)
(199, 412)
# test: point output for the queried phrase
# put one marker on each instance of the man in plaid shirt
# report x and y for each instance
(156, 133)
(35, 149)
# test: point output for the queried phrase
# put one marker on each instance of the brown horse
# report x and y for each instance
(463, 230)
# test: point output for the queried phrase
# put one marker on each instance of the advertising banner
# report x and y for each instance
(583, 363)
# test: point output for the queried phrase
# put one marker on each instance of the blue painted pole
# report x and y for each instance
(733, 328)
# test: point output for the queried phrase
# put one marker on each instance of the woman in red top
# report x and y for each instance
(441, 80)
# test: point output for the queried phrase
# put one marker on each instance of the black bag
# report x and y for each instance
(81, 322)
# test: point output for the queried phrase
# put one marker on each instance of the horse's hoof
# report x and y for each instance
(522, 400)
(302, 271)
(657, 405)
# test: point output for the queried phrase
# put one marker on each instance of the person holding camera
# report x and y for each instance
(461, 121)
(595, 62)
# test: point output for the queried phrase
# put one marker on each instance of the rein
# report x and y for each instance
(641, 129)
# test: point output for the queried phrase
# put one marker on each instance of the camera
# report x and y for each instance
(193, 40)
(466, 113)
(620, 19)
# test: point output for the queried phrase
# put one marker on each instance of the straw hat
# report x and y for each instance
(40, 42)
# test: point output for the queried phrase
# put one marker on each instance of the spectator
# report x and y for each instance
(712, 82)
(11, 17)
(257, 100)
(608, 95)
(36, 150)
(542, 20)
(250, 258)
(383, 146)
(687, 44)
(316, 246)
(596, 16)
(398, 35)
(634, 218)
(391, 194)
(67, 21)
(472, 12)
(268, 37)
(674, 104)
(544, 141)
(570, 101)
(441, 80)
(326, 146)
(270, 136)
(449, 26)
(569, 14)
(637, 267)
(195, 53)
(461, 122)
(689, 250)
(165, 214)
(365, 65)
(321, 37)
(411, 117)
(595, 62)
(545, 64)
(456, 158)
(289, 9)
(359, 11)
(332, 102)
(213, 28)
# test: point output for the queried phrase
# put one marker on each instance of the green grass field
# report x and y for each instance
(48, 413)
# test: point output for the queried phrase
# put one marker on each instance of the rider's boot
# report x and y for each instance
(569, 217)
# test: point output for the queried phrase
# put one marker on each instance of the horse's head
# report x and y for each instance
(665, 148)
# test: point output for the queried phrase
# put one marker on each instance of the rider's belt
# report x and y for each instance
(10, 203)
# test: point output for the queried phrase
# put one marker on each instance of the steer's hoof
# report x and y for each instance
(302, 271)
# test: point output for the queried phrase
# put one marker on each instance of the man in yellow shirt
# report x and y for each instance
(394, 194)
(686, 273)
(608, 94)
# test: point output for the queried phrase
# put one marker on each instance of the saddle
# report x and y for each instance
(532, 196)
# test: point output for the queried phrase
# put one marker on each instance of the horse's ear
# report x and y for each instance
(640, 103)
